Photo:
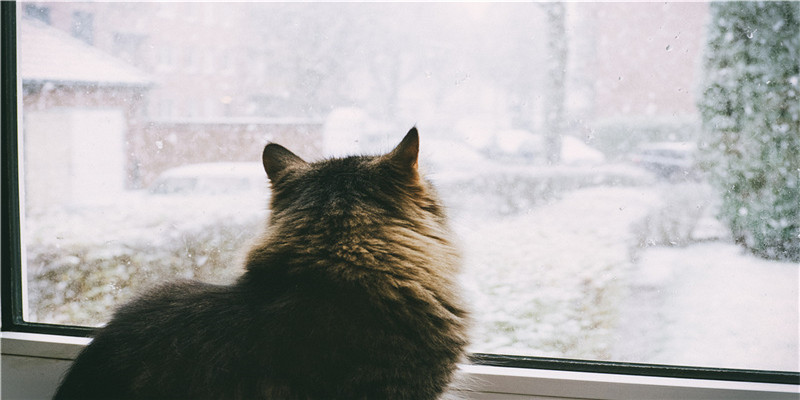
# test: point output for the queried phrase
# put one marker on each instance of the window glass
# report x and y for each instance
(622, 177)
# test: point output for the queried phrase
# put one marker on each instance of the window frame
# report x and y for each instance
(11, 263)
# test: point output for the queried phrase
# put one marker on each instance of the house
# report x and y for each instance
(80, 107)
(120, 113)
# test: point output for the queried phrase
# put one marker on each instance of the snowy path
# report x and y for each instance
(679, 313)
(547, 282)
(568, 279)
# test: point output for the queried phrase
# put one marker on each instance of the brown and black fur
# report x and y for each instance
(350, 294)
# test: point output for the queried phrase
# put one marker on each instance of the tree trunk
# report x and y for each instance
(556, 80)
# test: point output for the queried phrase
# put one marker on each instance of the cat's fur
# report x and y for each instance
(350, 294)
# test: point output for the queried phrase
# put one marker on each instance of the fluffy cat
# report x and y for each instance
(349, 294)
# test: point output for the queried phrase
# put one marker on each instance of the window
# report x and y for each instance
(537, 122)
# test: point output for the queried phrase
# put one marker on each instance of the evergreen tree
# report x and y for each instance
(751, 120)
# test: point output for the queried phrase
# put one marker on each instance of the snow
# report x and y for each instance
(213, 178)
(565, 279)
(47, 54)
(711, 305)
(135, 216)
(575, 151)
(350, 130)
(571, 274)
(342, 129)
(576, 261)
(530, 275)
(517, 141)
(218, 169)
(101, 256)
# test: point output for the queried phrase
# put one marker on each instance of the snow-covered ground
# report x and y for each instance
(547, 282)
(84, 261)
(591, 274)
(710, 304)
(577, 262)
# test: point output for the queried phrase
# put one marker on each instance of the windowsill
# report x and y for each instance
(487, 382)
(42, 346)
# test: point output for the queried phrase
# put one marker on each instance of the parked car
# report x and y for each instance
(220, 178)
(668, 160)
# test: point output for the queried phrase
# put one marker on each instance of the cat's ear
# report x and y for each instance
(277, 158)
(405, 155)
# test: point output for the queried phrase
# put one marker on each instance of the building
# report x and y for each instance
(81, 106)
(196, 51)
(174, 94)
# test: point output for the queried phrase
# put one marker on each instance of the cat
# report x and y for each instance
(350, 293)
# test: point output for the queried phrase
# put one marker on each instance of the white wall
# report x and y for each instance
(73, 155)
(30, 377)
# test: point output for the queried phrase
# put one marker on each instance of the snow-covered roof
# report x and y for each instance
(45, 54)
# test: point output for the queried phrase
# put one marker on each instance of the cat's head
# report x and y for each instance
(351, 190)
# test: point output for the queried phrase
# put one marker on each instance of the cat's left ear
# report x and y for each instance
(405, 155)
(277, 158)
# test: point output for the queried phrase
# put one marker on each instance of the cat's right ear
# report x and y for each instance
(277, 158)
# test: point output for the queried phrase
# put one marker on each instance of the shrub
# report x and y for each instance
(751, 121)
(511, 191)
(674, 221)
(81, 283)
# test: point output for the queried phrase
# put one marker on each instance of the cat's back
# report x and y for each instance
(162, 344)
(367, 245)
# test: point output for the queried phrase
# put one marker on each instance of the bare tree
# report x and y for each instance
(556, 80)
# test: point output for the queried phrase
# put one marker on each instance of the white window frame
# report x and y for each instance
(52, 354)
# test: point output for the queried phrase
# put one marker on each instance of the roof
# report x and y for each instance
(46, 54)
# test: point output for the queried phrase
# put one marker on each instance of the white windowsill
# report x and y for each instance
(486, 382)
